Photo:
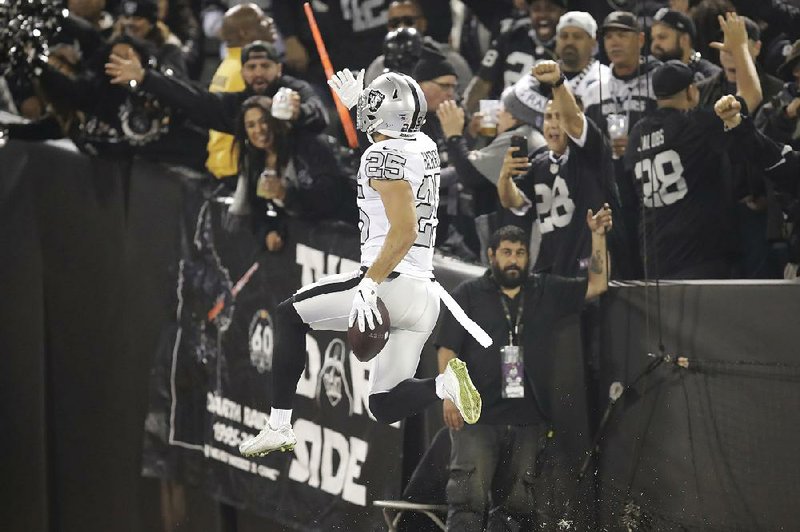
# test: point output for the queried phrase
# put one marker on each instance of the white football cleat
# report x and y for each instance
(459, 389)
(269, 440)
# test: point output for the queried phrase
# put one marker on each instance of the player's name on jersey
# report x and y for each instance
(431, 159)
(651, 140)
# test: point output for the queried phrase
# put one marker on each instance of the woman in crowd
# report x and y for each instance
(284, 173)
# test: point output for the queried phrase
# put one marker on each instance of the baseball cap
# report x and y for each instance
(140, 8)
(432, 64)
(259, 49)
(671, 78)
(621, 20)
(578, 19)
(675, 20)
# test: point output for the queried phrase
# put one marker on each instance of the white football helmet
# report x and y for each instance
(393, 105)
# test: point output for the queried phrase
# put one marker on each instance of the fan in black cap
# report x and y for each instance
(673, 36)
(621, 20)
(675, 20)
(671, 78)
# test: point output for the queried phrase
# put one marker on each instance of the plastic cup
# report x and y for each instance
(282, 104)
(489, 110)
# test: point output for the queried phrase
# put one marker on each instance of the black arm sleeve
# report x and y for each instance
(779, 162)
(200, 106)
(772, 120)
(458, 154)
(79, 92)
(595, 146)
(313, 116)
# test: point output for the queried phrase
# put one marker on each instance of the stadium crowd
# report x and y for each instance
(173, 81)
(235, 92)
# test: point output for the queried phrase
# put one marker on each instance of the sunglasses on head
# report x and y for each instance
(405, 21)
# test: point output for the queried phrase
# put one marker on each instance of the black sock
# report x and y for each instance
(289, 354)
(404, 400)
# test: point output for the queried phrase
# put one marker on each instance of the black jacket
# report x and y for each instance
(319, 189)
(219, 110)
(107, 128)
(745, 179)
(772, 119)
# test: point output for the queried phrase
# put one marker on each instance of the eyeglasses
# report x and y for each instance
(405, 21)
(446, 86)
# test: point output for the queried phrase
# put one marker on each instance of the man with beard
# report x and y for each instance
(263, 76)
(241, 25)
(515, 51)
(672, 36)
(576, 41)
(492, 462)
(562, 181)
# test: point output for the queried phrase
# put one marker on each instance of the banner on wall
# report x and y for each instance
(210, 384)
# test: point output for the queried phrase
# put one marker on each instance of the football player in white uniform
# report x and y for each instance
(398, 193)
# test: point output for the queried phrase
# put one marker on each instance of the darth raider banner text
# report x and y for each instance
(210, 384)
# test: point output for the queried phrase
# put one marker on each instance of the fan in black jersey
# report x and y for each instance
(672, 36)
(674, 156)
(562, 180)
(515, 51)
(781, 167)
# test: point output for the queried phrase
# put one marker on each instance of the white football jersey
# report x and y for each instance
(589, 79)
(632, 96)
(415, 161)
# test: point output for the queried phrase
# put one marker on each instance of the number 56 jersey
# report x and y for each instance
(417, 162)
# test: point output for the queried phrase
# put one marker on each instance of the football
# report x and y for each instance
(369, 343)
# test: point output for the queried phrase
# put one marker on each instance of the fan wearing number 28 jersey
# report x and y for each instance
(566, 179)
(562, 181)
(398, 192)
(673, 156)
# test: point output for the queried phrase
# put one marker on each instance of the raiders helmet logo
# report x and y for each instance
(374, 100)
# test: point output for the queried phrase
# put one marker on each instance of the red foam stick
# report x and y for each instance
(344, 114)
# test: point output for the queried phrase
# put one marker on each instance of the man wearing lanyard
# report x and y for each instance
(493, 462)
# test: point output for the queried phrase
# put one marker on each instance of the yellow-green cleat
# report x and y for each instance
(459, 389)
